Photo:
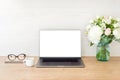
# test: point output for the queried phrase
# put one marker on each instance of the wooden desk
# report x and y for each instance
(94, 70)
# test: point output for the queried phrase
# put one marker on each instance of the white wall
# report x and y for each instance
(21, 20)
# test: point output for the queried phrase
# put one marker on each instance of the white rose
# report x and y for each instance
(94, 34)
(103, 20)
(107, 21)
(116, 25)
(116, 33)
(110, 17)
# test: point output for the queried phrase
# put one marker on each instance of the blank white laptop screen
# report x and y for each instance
(60, 43)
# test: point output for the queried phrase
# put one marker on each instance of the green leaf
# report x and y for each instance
(91, 43)
(106, 39)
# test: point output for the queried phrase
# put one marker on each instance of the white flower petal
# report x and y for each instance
(94, 34)
(116, 25)
(116, 33)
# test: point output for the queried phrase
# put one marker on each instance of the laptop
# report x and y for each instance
(60, 48)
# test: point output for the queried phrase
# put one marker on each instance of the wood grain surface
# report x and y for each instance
(94, 70)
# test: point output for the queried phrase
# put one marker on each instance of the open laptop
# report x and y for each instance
(60, 48)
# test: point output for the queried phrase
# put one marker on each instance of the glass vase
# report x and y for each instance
(103, 52)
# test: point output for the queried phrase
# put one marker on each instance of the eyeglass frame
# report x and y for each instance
(16, 56)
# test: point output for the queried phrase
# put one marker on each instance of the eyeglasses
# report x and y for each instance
(13, 57)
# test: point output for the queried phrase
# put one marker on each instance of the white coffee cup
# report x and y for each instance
(29, 62)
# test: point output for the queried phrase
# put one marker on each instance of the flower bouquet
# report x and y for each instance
(101, 32)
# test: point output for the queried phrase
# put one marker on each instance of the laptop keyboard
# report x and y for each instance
(60, 62)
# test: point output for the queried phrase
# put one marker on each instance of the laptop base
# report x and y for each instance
(60, 63)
